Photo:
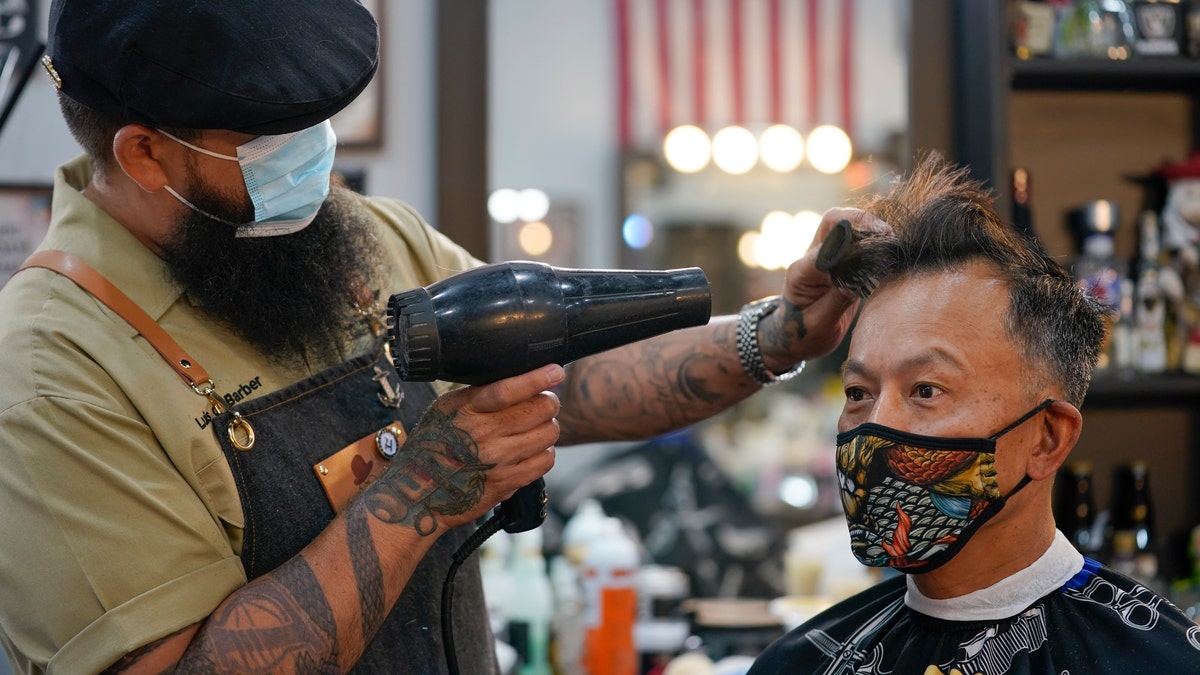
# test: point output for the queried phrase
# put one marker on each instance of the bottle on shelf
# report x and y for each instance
(1098, 270)
(609, 573)
(1022, 208)
(1159, 26)
(531, 605)
(1100, 29)
(1150, 307)
(1134, 542)
(1075, 510)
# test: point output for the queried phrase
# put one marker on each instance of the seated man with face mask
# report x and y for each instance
(964, 378)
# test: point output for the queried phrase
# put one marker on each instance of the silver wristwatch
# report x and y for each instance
(747, 343)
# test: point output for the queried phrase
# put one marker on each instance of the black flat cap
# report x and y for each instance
(254, 66)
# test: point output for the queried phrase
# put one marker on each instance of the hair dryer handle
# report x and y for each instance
(526, 509)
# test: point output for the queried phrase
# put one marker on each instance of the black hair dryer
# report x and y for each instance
(501, 320)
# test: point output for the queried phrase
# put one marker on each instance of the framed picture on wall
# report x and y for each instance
(24, 217)
(360, 124)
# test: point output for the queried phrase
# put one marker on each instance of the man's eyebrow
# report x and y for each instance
(933, 356)
(854, 367)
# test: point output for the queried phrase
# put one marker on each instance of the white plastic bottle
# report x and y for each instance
(531, 605)
(586, 524)
(609, 573)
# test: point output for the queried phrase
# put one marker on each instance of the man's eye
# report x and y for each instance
(855, 394)
(925, 391)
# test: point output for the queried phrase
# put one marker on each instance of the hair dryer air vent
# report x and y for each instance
(419, 341)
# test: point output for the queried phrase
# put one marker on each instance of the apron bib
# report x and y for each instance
(285, 506)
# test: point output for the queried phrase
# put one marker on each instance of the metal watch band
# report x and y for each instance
(747, 343)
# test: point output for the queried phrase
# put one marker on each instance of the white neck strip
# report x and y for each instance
(1007, 597)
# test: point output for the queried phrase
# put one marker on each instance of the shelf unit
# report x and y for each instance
(1083, 128)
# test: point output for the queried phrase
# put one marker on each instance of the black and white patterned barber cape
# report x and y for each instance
(1098, 621)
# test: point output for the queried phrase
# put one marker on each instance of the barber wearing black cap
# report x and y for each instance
(206, 459)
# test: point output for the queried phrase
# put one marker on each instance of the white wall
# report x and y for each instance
(552, 126)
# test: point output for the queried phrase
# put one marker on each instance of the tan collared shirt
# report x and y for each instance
(120, 520)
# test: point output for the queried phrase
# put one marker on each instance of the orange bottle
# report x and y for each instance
(609, 576)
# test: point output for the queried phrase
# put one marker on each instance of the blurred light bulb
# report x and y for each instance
(746, 246)
(637, 231)
(734, 150)
(799, 491)
(503, 205)
(805, 229)
(781, 147)
(774, 223)
(768, 253)
(532, 205)
(535, 238)
(829, 149)
(774, 248)
(687, 148)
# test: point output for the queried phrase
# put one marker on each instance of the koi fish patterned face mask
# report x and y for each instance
(913, 501)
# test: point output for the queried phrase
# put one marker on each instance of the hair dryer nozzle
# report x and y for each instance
(501, 320)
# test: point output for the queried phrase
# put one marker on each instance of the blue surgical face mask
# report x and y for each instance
(287, 178)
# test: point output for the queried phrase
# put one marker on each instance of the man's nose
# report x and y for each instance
(889, 411)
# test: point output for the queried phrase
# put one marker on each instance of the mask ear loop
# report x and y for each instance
(1025, 480)
(1024, 418)
(197, 148)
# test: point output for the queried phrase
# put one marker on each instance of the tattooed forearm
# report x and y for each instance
(281, 622)
(437, 473)
(367, 571)
(653, 386)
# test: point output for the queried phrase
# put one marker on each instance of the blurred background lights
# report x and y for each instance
(637, 231)
(503, 205)
(535, 238)
(687, 148)
(532, 205)
(746, 248)
(780, 240)
(735, 150)
(781, 147)
(829, 149)
(799, 491)
(807, 223)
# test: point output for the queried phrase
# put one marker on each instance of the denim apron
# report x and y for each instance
(285, 506)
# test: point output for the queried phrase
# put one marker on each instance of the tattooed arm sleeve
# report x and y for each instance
(653, 386)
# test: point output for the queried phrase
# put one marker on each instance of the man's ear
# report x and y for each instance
(141, 151)
(1060, 428)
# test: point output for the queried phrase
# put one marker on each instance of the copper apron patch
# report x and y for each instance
(348, 471)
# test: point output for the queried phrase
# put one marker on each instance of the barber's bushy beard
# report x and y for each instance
(290, 295)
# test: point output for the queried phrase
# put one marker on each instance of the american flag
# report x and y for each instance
(713, 63)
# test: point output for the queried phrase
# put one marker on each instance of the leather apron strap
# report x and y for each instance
(93, 282)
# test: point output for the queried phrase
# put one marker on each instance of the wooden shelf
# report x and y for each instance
(1110, 391)
(1168, 73)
